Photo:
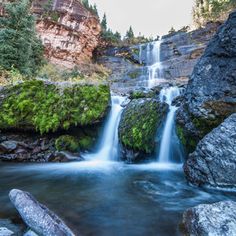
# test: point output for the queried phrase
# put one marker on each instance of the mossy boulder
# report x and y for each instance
(138, 126)
(48, 107)
(67, 143)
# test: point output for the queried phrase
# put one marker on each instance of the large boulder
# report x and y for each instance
(138, 126)
(214, 160)
(211, 92)
(218, 219)
(47, 107)
(37, 216)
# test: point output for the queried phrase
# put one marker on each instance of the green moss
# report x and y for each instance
(189, 143)
(46, 108)
(139, 124)
(86, 142)
(67, 143)
(134, 74)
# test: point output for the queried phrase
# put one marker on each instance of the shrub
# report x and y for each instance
(67, 143)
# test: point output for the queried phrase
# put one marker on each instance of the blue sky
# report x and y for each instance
(150, 17)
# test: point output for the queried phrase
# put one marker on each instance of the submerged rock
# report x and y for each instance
(214, 160)
(218, 219)
(211, 93)
(37, 216)
(5, 232)
(65, 157)
(138, 126)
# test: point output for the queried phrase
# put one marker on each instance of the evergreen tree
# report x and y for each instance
(130, 33)
(172, 30)
(95, 10)
(19, 46)
(104, 22)
(86, 4)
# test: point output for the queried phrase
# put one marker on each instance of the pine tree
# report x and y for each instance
(130, 33)
(172, 30)
(19, 46)
(86, 4)
(104, 22)
(95, 10)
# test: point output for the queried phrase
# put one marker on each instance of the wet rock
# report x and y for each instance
(37, 216)
(65, 157)
(211, 93)
(30, 233)
(8, 146)
(137, 129)
(218, 219)
(5, 232)
(214, 160)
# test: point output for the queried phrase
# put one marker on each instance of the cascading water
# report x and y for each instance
(108, 147)
(154, 62)
(169, 140)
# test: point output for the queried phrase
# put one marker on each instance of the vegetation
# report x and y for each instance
(20, 49)
(67, 143)
(139, 124)
(46, 107)
(212, 10)
(91, 8)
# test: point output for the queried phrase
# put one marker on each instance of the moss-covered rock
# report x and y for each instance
(45, 107)
(67, 143)
(138, 126)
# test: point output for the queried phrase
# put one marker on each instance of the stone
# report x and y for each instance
(5, 232)
(138, 126)
(211, 92)
(217, 219)
(37, 216)
(214, 160)
(30, 233)
(8, 146)
(64, 156)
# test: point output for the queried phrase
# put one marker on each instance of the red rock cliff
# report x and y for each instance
(69, 32)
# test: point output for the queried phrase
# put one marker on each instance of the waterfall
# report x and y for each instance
(108, 147)
(154, 62)
(169, 140)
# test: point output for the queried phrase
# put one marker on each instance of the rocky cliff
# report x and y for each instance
(69, 32)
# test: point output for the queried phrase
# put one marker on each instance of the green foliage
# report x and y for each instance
(134, 74)
(86, 142)
(139, 124)
(129, 33)
(104, 23)
(46, 108)
(67, 143)
(19, 46)
(91, 8)
(212, 10)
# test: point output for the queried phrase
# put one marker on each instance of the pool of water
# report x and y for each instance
(109, 198)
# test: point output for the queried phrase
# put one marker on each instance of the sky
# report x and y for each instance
(150, 17)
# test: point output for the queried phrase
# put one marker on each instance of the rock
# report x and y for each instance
(47, 107)
(65, 157)
(211, 93)
(37, 216)
(215, 157)
(70, 32)
(30, 233)
(218, 219)
(8, 146)
(5, 232)
(138, 126)
(214, 160)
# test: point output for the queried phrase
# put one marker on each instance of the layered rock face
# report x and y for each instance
(216, 219)
(214, 160)
(211, 92)
(69, 32)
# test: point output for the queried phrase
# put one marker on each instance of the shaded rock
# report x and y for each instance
(65, 157)
(8, 146)
(218, 219)
(138, 126)
(30, 233)
(214, 160)
(211, 92)
(11, 227)
(37, 216)
(5, 232)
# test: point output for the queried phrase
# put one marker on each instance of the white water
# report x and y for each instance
(108, 148)
(167, 95)
(154, 61)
